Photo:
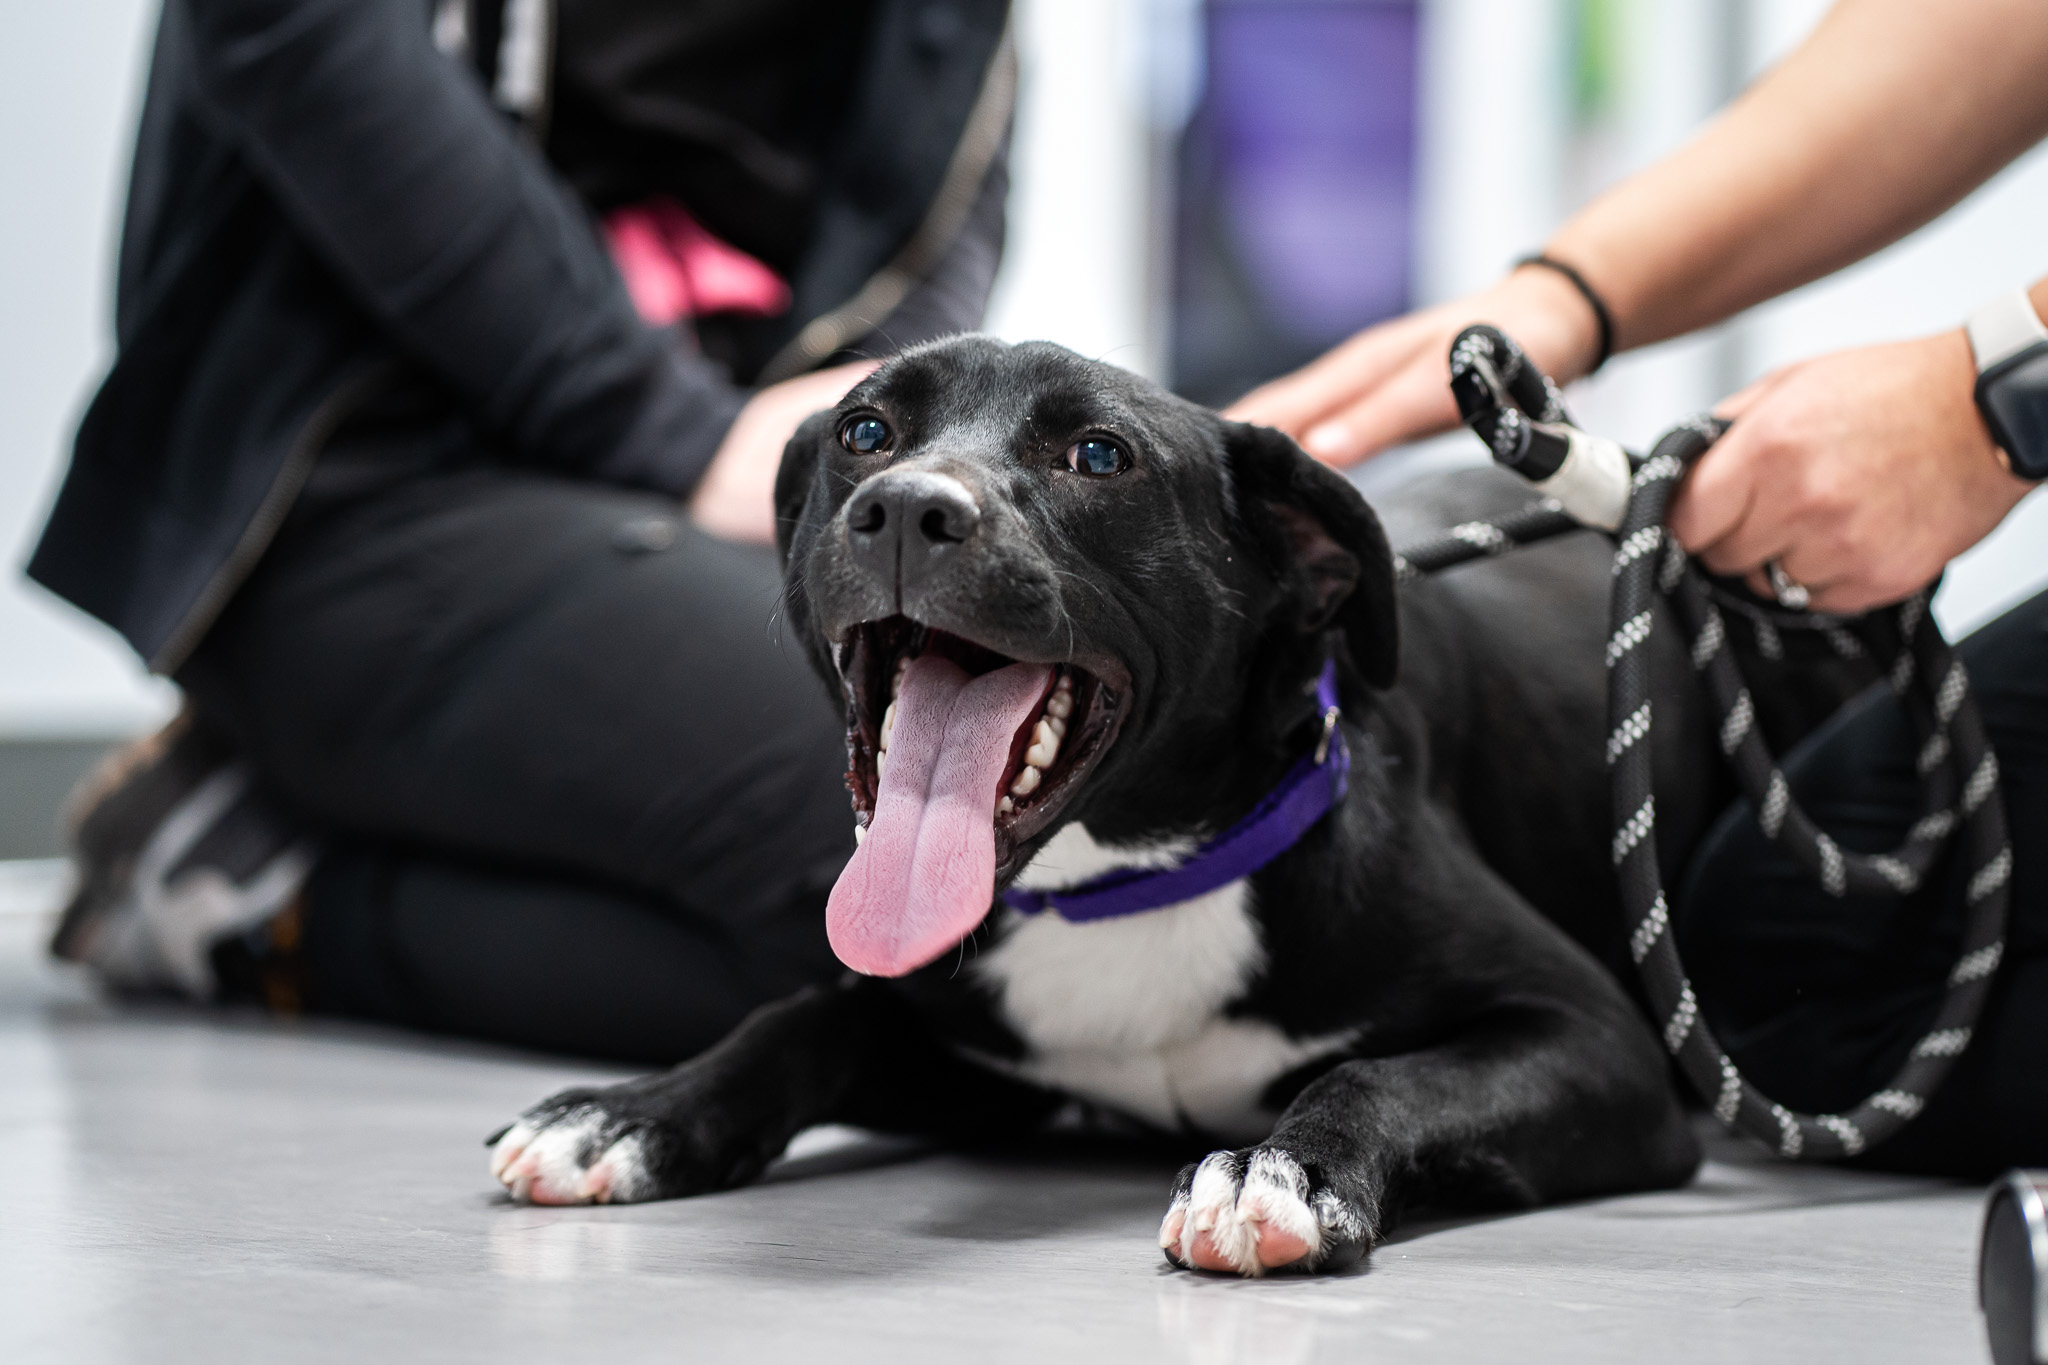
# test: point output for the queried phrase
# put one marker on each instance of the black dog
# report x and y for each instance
(1391, 1012)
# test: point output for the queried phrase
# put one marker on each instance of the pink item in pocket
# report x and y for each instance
(674, 268)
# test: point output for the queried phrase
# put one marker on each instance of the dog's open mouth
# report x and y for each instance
(959, 754)
(1049, 753)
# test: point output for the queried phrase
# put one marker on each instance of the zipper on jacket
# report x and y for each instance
(524, 87)
(521, 72)
(885, 290)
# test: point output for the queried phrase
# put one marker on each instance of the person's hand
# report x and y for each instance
(736, 497)
(1862, 473)
(1391, 383)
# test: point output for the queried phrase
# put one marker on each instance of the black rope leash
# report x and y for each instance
(1517, 411)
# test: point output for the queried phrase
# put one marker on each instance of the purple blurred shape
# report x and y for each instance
(1312, 105)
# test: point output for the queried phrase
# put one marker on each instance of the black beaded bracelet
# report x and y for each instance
(1593, 300)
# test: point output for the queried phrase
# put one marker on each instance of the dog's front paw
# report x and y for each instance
(574, 1149)
(660, 1137)
(1256, 1210)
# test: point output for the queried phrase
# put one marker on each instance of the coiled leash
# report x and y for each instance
(1589, 481)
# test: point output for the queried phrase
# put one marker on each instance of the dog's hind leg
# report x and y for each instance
(851, 1053)
(1532, 1102)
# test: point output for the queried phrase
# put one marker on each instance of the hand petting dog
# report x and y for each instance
(736, 497)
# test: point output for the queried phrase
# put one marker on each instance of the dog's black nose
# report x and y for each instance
(907, 523)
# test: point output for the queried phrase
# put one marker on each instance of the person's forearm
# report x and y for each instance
(1889, 113)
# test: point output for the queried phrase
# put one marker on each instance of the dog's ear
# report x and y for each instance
(794, 477)
(1329, 544)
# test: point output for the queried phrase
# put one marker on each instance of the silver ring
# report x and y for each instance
(1788, 592)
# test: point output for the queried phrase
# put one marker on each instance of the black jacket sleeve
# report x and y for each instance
(455, 235)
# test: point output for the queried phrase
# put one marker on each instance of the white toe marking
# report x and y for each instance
(1237, 1214)
(1170, 1230)
(1338, 1223)
(548, 1171)
(1212, 1208)
(1275, 1198)
(540, 1164)
(620, 1175)
(506, 1149)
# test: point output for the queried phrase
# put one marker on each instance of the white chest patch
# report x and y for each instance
(1128, 1012)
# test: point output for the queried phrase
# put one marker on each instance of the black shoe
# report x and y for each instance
(175, 849)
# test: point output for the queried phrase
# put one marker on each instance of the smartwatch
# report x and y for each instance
(2011, 347)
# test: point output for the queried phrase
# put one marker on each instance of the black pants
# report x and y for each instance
(1819, 1000)
(580, 793)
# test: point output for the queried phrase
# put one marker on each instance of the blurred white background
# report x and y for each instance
(1507, 147)
(70, 89)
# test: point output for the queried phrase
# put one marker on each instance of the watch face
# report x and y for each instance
(2013, 396)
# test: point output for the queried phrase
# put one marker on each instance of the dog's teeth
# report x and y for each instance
(881, 762)
(860, 835)
(888, 724)
(1060, 704)
(1045, 746)
(896, 682)
(1056, 725)
(1026, 783)
(1005, 806)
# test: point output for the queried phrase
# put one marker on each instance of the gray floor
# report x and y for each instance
(184, 1186)
(36, 775)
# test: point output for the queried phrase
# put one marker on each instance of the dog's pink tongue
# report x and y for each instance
(926, 873)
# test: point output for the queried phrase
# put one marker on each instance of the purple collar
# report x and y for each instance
(1311, 787)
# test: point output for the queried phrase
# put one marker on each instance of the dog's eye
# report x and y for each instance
(1097, 457)
(864, 435)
